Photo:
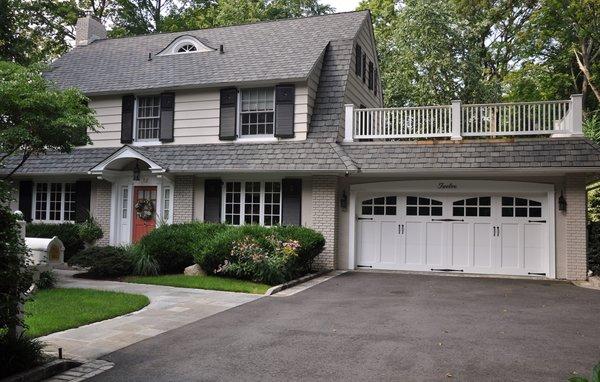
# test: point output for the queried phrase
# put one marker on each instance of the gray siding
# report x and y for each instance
(357, 91)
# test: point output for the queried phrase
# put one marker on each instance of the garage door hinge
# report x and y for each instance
(446, 270)
(536, 273)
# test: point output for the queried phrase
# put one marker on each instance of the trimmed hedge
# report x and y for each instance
(104, 261)
(173, 246)
(68, 233)
(593, 250)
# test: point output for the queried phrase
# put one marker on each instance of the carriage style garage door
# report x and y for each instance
(505, 233)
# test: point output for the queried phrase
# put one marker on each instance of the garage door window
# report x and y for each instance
(417, 206)
(380, 206)
(520, 207)
(479, 206)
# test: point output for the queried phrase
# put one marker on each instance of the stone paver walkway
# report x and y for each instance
(169, 308)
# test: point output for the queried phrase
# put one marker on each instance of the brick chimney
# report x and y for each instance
(88, 29)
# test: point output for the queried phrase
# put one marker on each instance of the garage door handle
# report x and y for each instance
(364, 218)
(447, 220)
(537, 221)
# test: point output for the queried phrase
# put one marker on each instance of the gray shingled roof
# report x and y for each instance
(326, 121)
(331, 157)
(287, 156)
(277, 50)
(525, 153)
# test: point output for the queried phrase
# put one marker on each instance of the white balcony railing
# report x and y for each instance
(455, 121)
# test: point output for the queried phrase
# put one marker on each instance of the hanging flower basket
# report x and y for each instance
(144, 209)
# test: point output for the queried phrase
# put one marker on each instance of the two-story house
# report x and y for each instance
(283, 122)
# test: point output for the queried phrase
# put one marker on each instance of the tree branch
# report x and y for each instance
(26, 156)
(586, 72)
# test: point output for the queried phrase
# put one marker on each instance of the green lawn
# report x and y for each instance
(202, 282)
(54, 310)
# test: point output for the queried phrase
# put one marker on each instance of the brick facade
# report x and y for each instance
(183, 199)
(575, 227)
(102, 210)
(325, 218)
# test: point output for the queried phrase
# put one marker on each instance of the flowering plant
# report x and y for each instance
(264, 260)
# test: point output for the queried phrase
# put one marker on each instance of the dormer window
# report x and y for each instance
(185, 44)
(187, 48)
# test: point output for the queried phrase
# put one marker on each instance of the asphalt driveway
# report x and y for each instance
(381, 326)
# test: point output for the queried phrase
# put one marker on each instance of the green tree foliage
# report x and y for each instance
(487, 50)
(35, 116)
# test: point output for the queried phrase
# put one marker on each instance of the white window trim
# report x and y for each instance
(169, 208)
(261, 219)
(62, 203)
(144, 142)
(255, 137)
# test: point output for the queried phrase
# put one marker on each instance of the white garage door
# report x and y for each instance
(501, 234)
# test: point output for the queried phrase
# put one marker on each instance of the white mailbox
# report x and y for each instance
(50, 251)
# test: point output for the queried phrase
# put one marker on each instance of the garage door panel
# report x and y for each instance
(369, 240)
(534, 245)
(389, 242)
(482, 245)
(434, 242)
(509, 248)
(461, 238)
(414, 243)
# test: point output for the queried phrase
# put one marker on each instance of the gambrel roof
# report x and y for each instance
(283, 50)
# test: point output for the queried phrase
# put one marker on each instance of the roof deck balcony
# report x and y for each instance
(458, 121)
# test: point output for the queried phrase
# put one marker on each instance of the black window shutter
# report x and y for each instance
(364, 67)
(167, 115)
(291, 201)
(228, 114)
(212, 200)
(127, 118)
(25, 198)
(376, 82)
(371, 73)
(284, 111)
(83, 191)
(358, 59)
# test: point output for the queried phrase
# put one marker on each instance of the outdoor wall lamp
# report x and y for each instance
(562, 202)
(136, 171)
(344, 200)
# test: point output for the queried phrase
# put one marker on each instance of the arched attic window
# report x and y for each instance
(184, 45)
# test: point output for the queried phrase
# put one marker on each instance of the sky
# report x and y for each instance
(343, 5)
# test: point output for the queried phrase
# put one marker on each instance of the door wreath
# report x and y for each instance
(144, 209)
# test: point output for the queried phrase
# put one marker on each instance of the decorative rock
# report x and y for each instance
(194, 270)
(595, 281)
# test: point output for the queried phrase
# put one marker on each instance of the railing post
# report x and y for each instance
(576, 115)
(456, 114)
(349, 123)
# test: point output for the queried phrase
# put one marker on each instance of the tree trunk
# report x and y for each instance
(584, 66)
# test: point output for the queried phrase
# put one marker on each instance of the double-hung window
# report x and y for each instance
(257, 112)
(148, 118)
(54, 202)
(252, 202)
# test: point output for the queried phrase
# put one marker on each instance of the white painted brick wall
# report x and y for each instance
(102, 211)
(575, 230)
(325, 218)
(183, 199)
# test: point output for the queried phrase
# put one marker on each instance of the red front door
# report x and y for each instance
(142, 226)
